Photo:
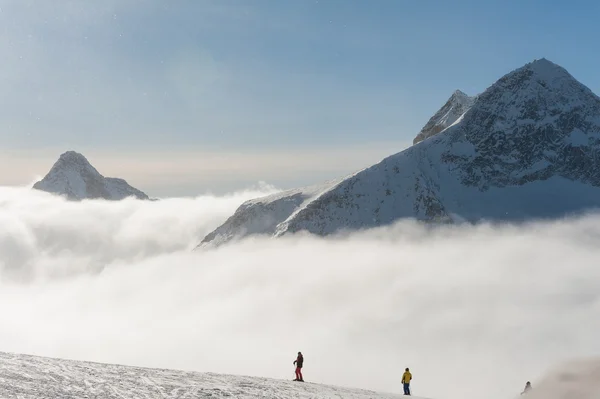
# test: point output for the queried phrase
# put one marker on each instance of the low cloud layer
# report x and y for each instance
(473, 311)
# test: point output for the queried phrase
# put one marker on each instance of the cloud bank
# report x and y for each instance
(473, 311)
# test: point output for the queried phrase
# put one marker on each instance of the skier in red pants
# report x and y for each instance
(298, 362)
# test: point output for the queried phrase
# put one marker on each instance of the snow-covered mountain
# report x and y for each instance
(74, 177)
(528, 147)
(32, 377)
(263, 215)
(455, 107)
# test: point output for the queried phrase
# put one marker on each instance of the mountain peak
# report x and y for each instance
(74, 162)
(75, 157)
(523, 85)
(454, 108)
(538, 91)
(543, 64)
(459, 94)
(540, 75)
(74, 177)
(546, 69)
(534, 122)
(524, 149)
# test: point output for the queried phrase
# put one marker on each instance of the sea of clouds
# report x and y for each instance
(474, 311)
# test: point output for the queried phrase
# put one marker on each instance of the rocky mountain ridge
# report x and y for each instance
(527, 148)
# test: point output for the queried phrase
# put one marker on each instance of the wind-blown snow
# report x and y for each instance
(32, 377)
(75, 178)
(526, 148)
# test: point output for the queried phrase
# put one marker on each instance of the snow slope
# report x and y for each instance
(527, 148)
(263, 215)
(454, 108)
(75, 178)
(32, 377)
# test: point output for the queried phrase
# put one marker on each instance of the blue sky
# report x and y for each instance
(189, 96)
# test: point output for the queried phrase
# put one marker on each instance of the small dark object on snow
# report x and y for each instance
(527, 388)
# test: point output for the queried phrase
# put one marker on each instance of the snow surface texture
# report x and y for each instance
(455, 107)
(527, 148)
(75, 178)
(24, 377)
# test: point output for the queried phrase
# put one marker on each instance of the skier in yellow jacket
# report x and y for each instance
(406, 378)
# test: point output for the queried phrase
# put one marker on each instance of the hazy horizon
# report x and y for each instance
(215, 96)
(189, 173)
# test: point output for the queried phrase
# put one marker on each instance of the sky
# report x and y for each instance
(212, 96)
(474, 311)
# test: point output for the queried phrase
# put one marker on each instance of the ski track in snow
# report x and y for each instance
(29, 377)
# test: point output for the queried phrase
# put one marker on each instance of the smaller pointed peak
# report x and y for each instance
(461, 97)
(457, 105)
(459, 93)
(73, 176)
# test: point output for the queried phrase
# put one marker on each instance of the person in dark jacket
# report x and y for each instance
(299, 362)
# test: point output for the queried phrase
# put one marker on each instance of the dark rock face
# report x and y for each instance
(534, 123)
